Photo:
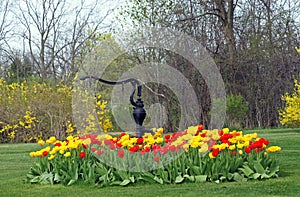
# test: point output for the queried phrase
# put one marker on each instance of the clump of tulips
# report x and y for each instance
(194, 155)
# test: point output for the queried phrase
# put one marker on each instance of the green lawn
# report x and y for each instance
(15, 163)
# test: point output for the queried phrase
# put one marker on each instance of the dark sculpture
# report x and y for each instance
(139, 113)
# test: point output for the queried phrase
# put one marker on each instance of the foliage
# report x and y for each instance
(236, 110)
(19, 70)
(290, 114)
(198, 156)
(248, 33)
(31, 110)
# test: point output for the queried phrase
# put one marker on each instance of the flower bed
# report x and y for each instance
(194, 155)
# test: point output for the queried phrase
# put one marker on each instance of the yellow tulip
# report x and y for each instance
(204, 148)
(51, 157)
(254, 135)
(32, 154)
(223, 146)
(225, 130)
(53, 152)
(41, 142)
(160, 130)
(52, 139)
(186, 147)
(47, 149)
(232, 147)
(240, 146)
(194, 144)
(67, 154)
(192, 130)
(187, 137)
(159, 140)
(211, 156)
(87, 141)
(273, 149)
(69, 138)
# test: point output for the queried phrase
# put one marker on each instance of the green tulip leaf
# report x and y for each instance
(116, 183)
(195, 170)
(247, 170)
(258, 167)
(230, 176)
(200, 178)
(179, 179)
(159, 180)
(237, 177)
(72, 181)
(147, 176)
(273, 169)
(46, 178)
(265, 176)
(132, 179)
(222, 178)
(190, 178)
(125, 182)
(35, 179)
(57, 178)
(256, 175)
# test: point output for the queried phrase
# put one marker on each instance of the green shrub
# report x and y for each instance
(236, 111)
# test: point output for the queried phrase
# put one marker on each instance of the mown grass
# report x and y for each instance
(15, 163)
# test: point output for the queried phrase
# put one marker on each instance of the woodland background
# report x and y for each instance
(252, 42)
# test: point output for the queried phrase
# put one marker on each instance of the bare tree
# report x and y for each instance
(54, 32)
(5, 24)
(41, 21)
(85, 24)
(5, 33)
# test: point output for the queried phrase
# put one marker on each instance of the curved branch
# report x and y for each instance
(129, 80)
(134, 82)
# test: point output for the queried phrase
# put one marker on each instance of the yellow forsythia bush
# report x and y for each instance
(290, 114)
(30, 111)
